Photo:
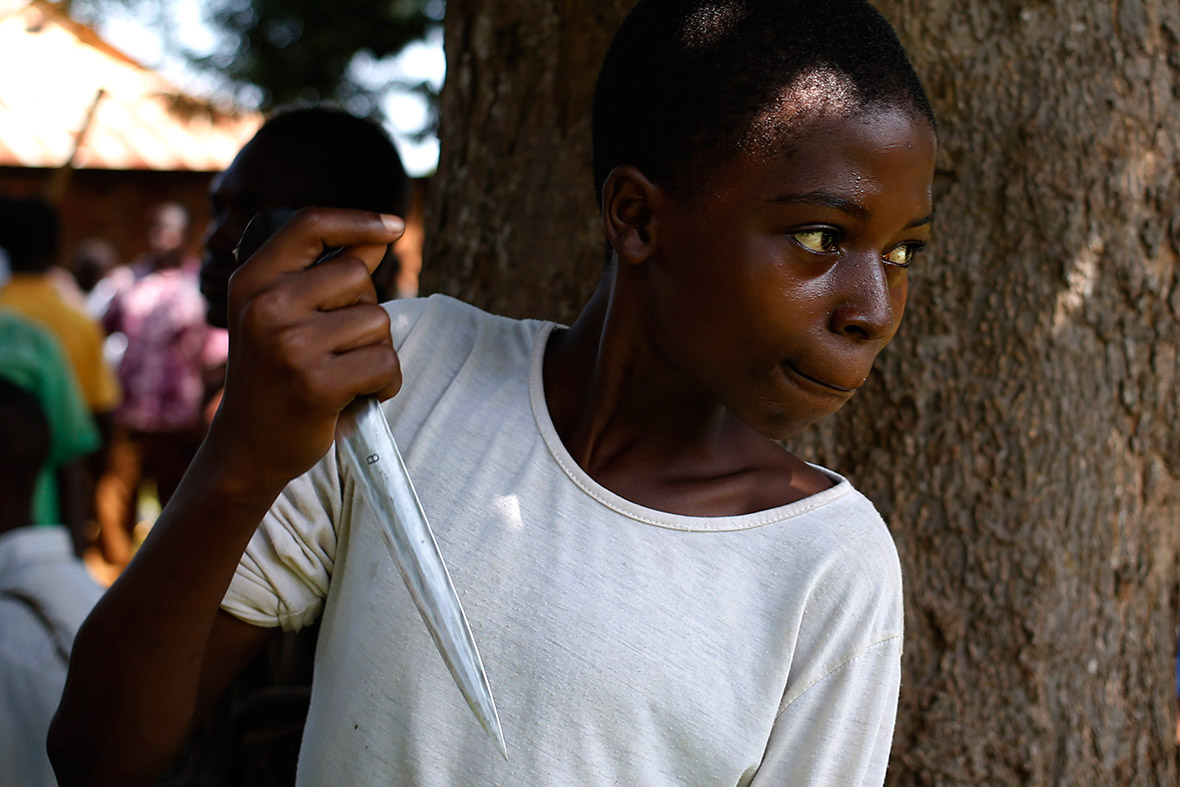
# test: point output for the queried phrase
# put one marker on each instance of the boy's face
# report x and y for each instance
(777, 284)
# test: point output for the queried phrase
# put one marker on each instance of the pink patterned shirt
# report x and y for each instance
(169, 347)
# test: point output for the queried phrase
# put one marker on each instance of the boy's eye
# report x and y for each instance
(902, 256)
(818, 240)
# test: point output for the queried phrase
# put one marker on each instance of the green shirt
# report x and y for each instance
(31, 358)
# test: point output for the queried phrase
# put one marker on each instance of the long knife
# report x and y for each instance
(367, 446)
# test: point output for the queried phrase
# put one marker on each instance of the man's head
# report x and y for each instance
(688, 85)
(23, 451)
(304, 157)
(167, 227)
(29, 234)
(93, 258)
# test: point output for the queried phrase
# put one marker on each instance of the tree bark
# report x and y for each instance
(513, 225)
(1022, 435)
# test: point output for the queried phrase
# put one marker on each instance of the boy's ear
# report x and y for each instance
(629, 208)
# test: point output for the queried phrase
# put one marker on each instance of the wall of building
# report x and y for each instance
(113, 204)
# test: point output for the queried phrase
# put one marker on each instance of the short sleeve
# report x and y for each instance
(838, 730)
(284, 574)
(835, 721)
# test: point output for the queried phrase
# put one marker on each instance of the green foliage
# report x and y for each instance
(277, 52)
(299, 51)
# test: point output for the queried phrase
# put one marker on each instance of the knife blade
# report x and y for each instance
(367, 447)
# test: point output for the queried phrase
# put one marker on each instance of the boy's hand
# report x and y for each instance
(304, 342)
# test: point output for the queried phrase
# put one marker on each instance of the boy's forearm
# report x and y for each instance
(306, 339)
(136, 665)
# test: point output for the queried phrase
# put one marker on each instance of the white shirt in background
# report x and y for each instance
(45, 594)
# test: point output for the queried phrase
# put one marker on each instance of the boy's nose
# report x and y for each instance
(864, 306)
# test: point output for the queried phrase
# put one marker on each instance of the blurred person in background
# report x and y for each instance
(32, 358)
(92, 260)
(29, 233)
(163, 371)
(299, 158)
(45, 594)
(98, 274)
(92, 278)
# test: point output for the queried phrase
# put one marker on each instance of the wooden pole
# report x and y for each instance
(61, 177)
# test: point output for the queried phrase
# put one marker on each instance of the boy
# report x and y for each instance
(661, 593)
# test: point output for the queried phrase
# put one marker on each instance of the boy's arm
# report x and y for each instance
(304, 343)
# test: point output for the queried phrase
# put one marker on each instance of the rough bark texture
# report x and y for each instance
(513, 227)
(1022, 434)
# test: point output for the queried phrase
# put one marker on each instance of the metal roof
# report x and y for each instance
(63, 87)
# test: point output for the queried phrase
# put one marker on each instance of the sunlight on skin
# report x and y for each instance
(821, 93)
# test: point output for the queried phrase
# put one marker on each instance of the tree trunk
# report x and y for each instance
(513, 225)
(1022, 435)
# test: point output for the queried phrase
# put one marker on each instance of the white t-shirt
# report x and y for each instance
(45, 594)
(624, 646)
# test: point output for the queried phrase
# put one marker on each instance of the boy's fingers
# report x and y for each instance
(337, 283)
(311, 231)
(277, 267)
(353, 327)
(373, 370)
(389, 391)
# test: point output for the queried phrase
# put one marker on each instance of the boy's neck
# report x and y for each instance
(639, 430)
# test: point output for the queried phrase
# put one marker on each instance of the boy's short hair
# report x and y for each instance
(684, 83)
(349, 161)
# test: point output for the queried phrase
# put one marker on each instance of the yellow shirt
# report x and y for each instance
(34, 296)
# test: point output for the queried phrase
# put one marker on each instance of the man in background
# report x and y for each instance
(29, 233)
(300, 158)
(32, 358)
(29, 237)
(164, 374)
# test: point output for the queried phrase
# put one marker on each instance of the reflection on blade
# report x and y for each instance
(369, 447)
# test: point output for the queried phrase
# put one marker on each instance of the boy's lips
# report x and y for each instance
(820, 382)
